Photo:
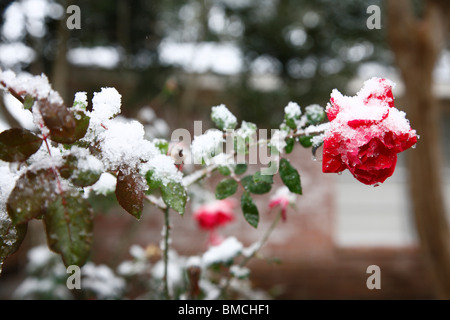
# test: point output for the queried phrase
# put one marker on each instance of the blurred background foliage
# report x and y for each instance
(302, 49)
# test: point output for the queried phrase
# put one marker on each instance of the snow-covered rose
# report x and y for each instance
(366, 133)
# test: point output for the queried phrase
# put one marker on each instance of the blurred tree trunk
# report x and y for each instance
(60, 70)
(417, 43)
(124, 25)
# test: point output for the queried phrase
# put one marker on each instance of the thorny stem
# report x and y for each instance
(166, 253)
(260, 244)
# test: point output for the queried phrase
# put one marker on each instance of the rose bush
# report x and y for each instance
(54, 172)
(366, 133)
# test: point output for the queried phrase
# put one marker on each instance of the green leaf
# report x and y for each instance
(291, 123)
(305, 141)
(79, 105)
(162, 145)
(315, 114)
(224, 170)
(174, 196)
(289, 145)
(79, 177)
(250, 185)
(152, 183)
(81, 124)
(249, 210)
(18, 144)
(240, 168)
(258, 177)
(130, 192)
(85, 178)
(28, 198)
(11, 238)
(28, 102)
(69, 225)
(223, 118)
(226, 188)
(290, 176)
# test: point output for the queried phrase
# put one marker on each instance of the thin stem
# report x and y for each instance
(13, 92)
(262, 241)
(156, 201)
(198, 175)
(260, 244)
(166, 253)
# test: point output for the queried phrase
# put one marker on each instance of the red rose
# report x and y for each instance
(366, 132)
(215, 214)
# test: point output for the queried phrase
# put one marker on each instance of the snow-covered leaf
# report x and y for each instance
(162, 145)
(224, 253)
(223, 118)
(29, 197)
(10, 240)
(65, 125)
(152, 183)
(69, 224)
(292, 113)
(83, 170)
(315, 114)
(174, 196)
(18, 144)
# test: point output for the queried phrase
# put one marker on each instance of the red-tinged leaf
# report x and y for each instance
(66, 126)
(59, 120)
(130, 192)
(66, 170)
(18, 144)
(29, 197)
(69, 225)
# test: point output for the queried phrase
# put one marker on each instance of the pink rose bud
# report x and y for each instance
(282, 198)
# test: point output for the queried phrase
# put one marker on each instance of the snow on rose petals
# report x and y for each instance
(366, 132)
